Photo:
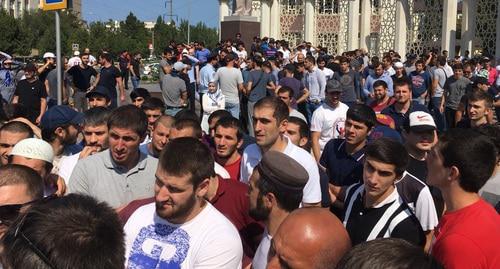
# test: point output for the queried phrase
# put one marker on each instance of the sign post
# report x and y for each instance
(57, 5)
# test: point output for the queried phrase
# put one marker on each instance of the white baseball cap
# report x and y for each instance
(49, 55)
(398, 65)
(34, 148)
(421, 121)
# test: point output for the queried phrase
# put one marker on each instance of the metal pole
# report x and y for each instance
(58, 59)
(189, 21)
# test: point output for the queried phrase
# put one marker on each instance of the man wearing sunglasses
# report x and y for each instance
(19, 185)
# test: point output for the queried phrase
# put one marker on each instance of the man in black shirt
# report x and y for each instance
(109, 77)
(374, 208)
(82, 75)
(135, 70)
(31, 94)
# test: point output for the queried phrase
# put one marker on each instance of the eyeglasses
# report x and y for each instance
(19, 234)
(9, 213)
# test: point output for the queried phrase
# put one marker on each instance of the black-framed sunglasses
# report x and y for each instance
(18, 233)
(9, 213)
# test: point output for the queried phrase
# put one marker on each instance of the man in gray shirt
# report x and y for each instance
(122, 173)
(173, 90)
(454, 89)
(230, 82)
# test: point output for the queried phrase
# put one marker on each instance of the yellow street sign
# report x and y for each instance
(54, 4)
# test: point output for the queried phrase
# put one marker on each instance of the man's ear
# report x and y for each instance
(269, 200)
(202, 188)
(240, 143)
(454, 174)
(60, 132)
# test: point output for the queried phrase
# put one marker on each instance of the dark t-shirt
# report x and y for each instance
(29, 97)
(260, 80)
(108, 77)
(82, 76)
(343, 169)
(135, 65)
(296, 85)
(43, 76)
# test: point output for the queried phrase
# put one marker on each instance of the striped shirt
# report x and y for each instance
(390, 218)
(418, 197)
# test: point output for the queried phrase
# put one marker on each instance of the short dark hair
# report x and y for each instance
(402, 83)
(281, 111)
(96, 116)
(389, 151)
(218, 114)
(140, 92)
(231, 122)
(441, 60)
(383, 253)
(287, 89)
(377, 64)
(475, 159)
(420, 61)
(343, 59)
(187, 114)
(153, 103)
(129, 117)
(17, 127)
(187, 155)
(458, 66)
(310, 59)
(181, 124)
(14, 174)
(379, 83)
(480, 95)
(106, 56)
(304, 131)
(90, 226)
(362, 113)
(491, 131)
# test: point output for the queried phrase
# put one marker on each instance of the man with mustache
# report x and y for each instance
(186, 230)
(121, 173)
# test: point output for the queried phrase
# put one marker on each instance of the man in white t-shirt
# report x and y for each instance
(328, 120)
(270, 120)
(275, 190)
(181, 229)
(95, 134)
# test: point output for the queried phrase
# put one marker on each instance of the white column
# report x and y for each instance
(223, 9)
(401, 23)
(265, 18)
(16, 10)
(449, 29)
(275, 19)
(497, 53)
(353, 30)
(366, 15)
(468, 25)
(309, 21)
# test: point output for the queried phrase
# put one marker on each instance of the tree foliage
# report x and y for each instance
(36, 30)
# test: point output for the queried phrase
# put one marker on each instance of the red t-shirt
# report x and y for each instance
(379, 107)
(469, 238)
(234, 169)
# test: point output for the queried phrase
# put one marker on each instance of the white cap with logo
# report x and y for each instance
(34, 148)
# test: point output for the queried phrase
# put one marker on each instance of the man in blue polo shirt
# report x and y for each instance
(343, 158)
(401, 109)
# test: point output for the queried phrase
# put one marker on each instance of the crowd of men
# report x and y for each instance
(271, 158)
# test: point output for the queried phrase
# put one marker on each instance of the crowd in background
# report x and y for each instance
(275, 157)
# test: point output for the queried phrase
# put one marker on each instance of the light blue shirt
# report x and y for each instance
(315, 82)
(370, 80)
(206, 75)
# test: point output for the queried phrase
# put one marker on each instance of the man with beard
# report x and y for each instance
(121, 173)
(60, 127)
(275, 190)
(180, 219)
(271, 119)
(82, 74)
(95, 135)
(228, 140)
(382, 99)
(159, 136)
(403, 106)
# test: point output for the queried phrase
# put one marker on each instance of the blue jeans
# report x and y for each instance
(172, 111)
(135, 82)
(234, 109)
(310, 107)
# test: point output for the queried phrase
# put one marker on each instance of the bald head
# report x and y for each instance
(319, 240)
